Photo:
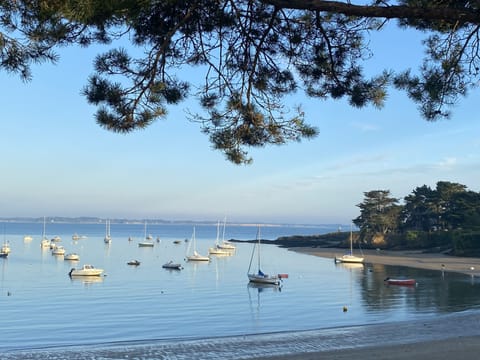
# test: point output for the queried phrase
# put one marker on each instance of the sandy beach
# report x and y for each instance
(414, 259)
(452, 338)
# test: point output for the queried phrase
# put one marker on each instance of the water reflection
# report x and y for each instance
(349, 266)
(436, 291)
(256, 292)
(264, 287)
(86, 280)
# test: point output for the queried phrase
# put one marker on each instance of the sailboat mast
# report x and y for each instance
(224, 225)
(194, 240)
(351, 240)
(258, 237)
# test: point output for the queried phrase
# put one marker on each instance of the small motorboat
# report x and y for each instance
(27, 238)
(405, 282)
(147, 243)
(58, 250)
(5, 248)
(172, 265)
(86, 270)
(133, 262)
(71, 257)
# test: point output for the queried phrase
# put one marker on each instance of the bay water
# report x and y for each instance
(41, 307)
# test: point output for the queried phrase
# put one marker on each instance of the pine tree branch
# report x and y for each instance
(387, 12)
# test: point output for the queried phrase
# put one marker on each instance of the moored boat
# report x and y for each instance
(259, 276)
(133, 262)
(86, 270)
(108, 238)
(27, 238)
(195, 256)
(172, 265)
(5, 249)
(349, 258)
(148, 239)
(406, 282)
(71, 257)
(147, 243)
(58, 250)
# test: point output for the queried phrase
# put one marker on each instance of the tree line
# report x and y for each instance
(446, 217)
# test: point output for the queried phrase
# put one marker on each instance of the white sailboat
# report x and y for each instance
(108, 238)
(350, 258)
(226, 245)
(148, 242)
(45, 243)
(195, 256)
(217, 250)
(259, 276)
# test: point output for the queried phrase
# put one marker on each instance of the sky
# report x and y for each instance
(58, 162)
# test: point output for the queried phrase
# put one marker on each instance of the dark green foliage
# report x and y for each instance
(379, 214)
(447, 217)
(251, 54)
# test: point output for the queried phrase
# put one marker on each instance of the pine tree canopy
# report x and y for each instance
(251, 56)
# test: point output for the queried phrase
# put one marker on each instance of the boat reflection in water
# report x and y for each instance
(261, 287)
(87, 280)
(349, 266)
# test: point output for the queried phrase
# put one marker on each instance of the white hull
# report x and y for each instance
(45, 243)
(146, 244)
(264, 279)
(219, 251)
(350, 259)
(259, 277)
(59, 250)
(96, 272)
(86, 270)
(5, 249)
(195, 256)
(73, 257)
(108, 238)
(226, 246)
(198, 257)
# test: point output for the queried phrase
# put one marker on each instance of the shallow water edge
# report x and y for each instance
(274, 344)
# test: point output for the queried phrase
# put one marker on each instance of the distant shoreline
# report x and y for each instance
(98, 220)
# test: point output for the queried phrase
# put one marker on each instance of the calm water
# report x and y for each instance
(41, 307)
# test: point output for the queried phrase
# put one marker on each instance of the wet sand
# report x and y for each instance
(415, 259)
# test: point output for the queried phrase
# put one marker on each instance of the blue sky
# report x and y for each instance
(57, 162)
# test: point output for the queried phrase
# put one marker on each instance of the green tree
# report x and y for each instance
(418, 211)
(252, 55)
(379, 214)
(446, 207)
(449, 206)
